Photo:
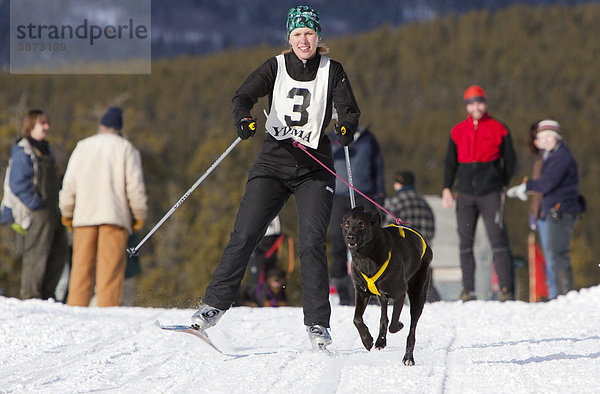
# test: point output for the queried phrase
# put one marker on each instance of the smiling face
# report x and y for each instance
(304, 42)
(476, 109)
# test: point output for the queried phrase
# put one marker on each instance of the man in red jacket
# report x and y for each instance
(482, 159)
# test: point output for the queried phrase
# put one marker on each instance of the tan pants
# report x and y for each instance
(98, 254)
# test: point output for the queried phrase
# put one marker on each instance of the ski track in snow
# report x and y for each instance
(475, 347)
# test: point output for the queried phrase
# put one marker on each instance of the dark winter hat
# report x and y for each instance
(303, 16)
(113, 118)
(474, 93)
(406, 178)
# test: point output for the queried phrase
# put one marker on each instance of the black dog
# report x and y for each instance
(388, 263)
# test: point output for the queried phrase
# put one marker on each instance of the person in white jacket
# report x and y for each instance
(103, 200)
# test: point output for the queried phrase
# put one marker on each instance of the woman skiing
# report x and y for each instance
(304, 87)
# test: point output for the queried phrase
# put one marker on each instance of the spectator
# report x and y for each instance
(536, 203)
(411, 207)
(102, 188)
(302, 74)
(268, 293)
(367, 176)
(264, 256)
(561, 202)
(31, 203)
(482, 159)
(536, 172)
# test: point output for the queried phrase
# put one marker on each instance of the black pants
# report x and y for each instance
(267, 190)
(468, 209)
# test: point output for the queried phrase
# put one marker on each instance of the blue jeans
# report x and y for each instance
(555, 235)
(550, 279)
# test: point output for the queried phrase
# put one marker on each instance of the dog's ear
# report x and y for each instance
(375, 219)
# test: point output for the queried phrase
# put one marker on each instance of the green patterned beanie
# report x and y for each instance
(303, 16)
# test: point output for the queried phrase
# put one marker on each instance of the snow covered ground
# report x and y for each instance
(476, 347)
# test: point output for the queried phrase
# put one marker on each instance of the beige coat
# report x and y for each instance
(104, 183)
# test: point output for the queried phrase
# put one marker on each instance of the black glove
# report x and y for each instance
(246, 127)
(343, 134)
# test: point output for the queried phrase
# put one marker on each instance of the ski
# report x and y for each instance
(189, 330)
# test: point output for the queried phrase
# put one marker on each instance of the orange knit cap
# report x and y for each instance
(474, 93)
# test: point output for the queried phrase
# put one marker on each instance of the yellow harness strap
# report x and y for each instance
(371, 281)
(402, 228)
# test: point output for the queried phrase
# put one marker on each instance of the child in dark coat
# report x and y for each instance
(270, 292)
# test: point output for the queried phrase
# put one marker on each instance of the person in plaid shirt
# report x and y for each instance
(411, 207)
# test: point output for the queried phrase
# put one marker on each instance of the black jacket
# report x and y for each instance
(261, 82)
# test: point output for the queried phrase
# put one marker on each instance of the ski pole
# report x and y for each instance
(135, 251)
(351, 189)
(349, 171)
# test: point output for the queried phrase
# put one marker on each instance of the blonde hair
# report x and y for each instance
(321, 50)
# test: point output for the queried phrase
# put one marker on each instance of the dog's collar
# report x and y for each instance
(402, 228)
(371, 281)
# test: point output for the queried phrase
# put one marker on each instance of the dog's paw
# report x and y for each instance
(409, 361)
(367, 342)
(396, 326)
(381, 343)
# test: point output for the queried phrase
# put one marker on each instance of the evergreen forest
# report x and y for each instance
(533, 62)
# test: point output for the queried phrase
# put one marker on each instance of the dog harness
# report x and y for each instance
(371, 281)
(401, 230)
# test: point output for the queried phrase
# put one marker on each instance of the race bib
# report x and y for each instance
(298, 107)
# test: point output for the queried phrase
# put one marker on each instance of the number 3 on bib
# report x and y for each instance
(298, 107)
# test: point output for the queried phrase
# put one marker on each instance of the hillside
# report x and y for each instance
(532, 61)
